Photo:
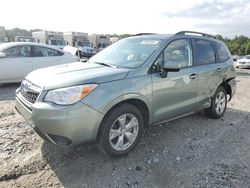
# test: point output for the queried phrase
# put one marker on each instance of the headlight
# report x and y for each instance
(69, 95)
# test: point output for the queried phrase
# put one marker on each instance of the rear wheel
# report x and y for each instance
(121, 130)
(218, 105)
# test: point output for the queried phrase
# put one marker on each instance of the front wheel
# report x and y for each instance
(121, 130)
(218, 105)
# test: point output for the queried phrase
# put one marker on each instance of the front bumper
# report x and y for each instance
(240, 65)
(62, 125)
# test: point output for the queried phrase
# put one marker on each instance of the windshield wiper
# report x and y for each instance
(106, 64)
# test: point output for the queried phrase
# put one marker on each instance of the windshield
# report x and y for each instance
(128, 53)
(86, 43)
(58, 42)
(83, 44)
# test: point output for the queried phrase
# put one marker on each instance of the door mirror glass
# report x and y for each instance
(2, 55)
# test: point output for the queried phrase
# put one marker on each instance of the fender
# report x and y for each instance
(126, 97)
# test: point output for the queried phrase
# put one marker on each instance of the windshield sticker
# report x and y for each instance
(150, 42)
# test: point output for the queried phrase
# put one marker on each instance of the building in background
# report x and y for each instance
(80, 43)
(50, 37)
(3, 38)
(99, 42)
(114, 38)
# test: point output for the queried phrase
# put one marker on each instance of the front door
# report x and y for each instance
(175, 94)
(16, 65)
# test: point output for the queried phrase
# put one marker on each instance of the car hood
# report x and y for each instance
(74, 74)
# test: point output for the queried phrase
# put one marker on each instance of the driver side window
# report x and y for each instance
(177, 54)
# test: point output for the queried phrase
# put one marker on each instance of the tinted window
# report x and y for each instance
(18, 51)
(221, 52)
(204, 52)
(177, 54)
(45, 52)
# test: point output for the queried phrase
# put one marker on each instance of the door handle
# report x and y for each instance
(192, 76)
(218, 69)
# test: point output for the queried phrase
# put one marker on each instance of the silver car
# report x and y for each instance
(17, 59)
(243, 62)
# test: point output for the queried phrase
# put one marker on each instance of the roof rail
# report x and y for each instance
(138, 34)
(197, 33)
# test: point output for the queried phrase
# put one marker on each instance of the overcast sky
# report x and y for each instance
(226, 17)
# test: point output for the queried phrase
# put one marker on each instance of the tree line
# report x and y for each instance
(239, 45)
(12, 33)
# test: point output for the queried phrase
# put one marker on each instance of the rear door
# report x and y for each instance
(16, 65)
(44, 57)
(176, 94)
(207, 69)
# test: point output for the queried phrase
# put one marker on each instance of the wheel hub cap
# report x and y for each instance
(220, 102)
(123, 132)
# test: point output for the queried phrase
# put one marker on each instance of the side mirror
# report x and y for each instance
(168, 68)
(2, 55)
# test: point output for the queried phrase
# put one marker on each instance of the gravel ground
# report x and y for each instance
(189, 152)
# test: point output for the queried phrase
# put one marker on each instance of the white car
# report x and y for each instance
(17, 59)
(243, 62)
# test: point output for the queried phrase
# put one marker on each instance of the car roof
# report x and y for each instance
(4, 46)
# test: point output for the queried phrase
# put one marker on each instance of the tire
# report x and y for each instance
(114, 130)
(218, 104)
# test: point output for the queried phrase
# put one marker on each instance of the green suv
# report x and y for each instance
(142, 80)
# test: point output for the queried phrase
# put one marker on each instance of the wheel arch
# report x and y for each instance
(138, 101)
(225, 84)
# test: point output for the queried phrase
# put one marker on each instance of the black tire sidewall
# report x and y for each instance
(108, 122)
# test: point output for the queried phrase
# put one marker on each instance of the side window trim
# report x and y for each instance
(166, 45)
(32, 49)
(215, 52)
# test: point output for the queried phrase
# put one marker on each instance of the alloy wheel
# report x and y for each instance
(123, 132)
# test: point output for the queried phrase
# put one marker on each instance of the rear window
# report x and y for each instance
(204, 52)
(40, 51)
(222, 53)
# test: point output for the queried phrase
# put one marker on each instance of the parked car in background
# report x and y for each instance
(17, 59)
(243, 62)
(25, 39)
(235, 57)
(3, 39)
(135, 82)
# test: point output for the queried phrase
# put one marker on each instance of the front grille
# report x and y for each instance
(28, 92)
(242, 63)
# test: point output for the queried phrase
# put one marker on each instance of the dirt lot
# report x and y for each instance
(190, 152)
